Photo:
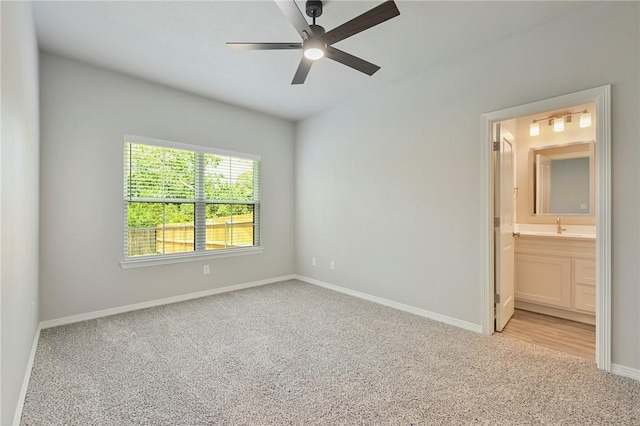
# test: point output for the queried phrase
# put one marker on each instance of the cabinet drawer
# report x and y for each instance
(585, 297)
(542, 279)
(585, 272)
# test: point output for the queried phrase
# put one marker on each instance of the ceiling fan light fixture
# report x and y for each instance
(313, 53)
(314, 49)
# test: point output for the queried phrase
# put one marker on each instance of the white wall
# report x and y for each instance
(85, 113)
(19, 200)
(388, 186)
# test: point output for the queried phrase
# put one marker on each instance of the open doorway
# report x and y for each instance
(545, 241)
(578, 262)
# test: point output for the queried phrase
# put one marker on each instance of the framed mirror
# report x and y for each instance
(563, 179)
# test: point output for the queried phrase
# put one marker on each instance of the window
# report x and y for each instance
(187, 201)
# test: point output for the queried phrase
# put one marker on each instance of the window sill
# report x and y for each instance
(167, 260)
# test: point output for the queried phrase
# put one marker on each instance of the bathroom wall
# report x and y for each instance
(572, 133)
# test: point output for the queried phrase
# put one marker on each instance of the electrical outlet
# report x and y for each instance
(333, 265)
(206, 270)
(313, 261)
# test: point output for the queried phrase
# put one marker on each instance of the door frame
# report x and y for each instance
(602, 98)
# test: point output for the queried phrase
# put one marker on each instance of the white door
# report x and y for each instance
(504, 244)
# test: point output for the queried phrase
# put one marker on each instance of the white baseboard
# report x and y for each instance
(158, 302)
(477, 328)
(621, 370)
(27, 376)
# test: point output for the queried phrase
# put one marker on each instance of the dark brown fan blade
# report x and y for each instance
(294, 15)
(351, 61)
(302, 71)
(375, 16)
(263, 46)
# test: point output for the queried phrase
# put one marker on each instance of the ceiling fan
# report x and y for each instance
(316, 43)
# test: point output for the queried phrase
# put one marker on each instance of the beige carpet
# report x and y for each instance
(292, 353)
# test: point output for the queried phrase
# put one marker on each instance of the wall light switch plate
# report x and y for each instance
(313, 261)
(206, 270)
(333, 265)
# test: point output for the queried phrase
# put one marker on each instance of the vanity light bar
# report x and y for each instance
(558, 121)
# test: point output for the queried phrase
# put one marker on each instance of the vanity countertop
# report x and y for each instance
(564, 234)
(550, 231)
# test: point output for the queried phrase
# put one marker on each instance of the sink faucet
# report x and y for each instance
(559, 227)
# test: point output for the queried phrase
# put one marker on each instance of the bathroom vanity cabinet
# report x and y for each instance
(556, 275)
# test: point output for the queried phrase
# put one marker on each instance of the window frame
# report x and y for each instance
(196, 255)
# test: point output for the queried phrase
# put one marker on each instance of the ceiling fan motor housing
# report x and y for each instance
(313, 8)
(317, 30)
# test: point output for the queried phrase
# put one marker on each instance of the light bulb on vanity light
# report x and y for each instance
(585, 119)
(534, 129)
(558, 124)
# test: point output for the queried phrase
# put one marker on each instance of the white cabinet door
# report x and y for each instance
(543, 279)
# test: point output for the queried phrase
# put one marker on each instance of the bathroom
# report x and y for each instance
(554, 228)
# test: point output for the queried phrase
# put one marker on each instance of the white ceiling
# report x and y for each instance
(182, 44)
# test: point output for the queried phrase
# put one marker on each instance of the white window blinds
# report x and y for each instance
(183, 199)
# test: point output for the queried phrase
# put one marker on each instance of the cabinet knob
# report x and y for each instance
(516, 234)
